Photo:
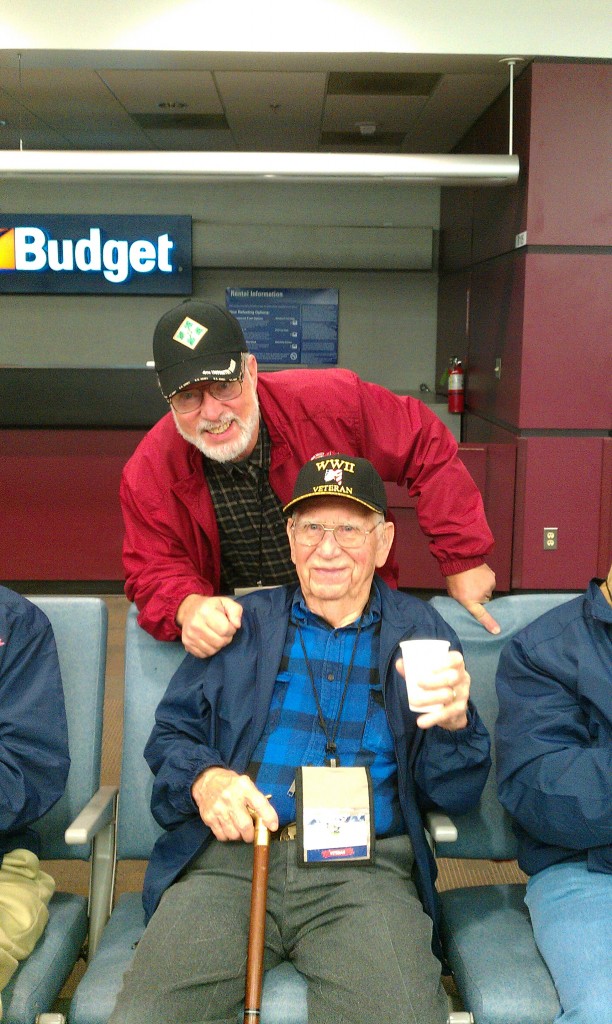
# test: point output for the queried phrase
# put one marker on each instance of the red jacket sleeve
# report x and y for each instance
(409, 445)
(170, 529)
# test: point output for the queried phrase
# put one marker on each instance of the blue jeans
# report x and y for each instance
(571, 913)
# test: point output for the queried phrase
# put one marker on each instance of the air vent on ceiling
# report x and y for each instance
(381, 140)
(372, 83)
(182, 122)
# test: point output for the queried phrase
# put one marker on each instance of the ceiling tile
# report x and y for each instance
(285, 96)
(142, 91)
(454, 107)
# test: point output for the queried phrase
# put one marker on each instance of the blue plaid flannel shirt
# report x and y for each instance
(293, 735)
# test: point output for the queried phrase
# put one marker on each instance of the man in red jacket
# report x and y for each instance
(202, 495)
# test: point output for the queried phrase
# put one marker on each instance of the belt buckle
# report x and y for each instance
(287, 832)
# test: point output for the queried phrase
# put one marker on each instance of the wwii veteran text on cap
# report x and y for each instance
(340, 476)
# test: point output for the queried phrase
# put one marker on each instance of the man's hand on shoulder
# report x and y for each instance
(225, 801)
(473, 588)
(207, 623)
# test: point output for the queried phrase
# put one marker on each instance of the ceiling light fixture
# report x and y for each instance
(440, 169)
(366, 127)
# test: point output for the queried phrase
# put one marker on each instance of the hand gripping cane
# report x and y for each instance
(257, 926)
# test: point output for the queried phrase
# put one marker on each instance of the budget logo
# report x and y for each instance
(116, 259)
(7, 248)
(82, 254)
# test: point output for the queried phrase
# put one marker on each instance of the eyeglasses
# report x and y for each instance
(345, 534)
(191, 398)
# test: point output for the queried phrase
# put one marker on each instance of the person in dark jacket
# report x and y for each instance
(554, 768)
(203, 493)
(34, 765)
(304, 720)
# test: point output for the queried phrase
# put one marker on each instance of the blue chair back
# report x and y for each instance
(487, 934)
(149, 667)
(80, 627)
(486, 832)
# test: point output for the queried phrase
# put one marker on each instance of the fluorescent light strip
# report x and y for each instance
(438, 169)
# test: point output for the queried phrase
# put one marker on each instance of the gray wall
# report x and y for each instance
(376, 243)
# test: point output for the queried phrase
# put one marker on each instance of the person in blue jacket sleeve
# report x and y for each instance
(554, 748)
(304, 720)
(34, 765)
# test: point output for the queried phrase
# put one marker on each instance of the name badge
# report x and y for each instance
(335, 815)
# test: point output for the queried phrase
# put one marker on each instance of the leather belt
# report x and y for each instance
(284, 834)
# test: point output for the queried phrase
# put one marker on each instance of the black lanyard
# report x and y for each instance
(330, 744)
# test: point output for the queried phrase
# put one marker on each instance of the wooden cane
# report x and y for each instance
(257, 925)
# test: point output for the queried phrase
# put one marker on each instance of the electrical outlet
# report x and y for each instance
(550, 538)
(520, 239)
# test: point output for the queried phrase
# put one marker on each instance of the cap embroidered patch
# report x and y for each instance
(190, 333)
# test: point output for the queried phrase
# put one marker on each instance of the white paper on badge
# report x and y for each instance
(420, 657)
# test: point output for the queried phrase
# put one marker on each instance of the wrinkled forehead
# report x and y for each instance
(333, 510)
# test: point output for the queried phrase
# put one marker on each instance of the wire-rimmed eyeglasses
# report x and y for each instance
(345, 534)
(191, 398)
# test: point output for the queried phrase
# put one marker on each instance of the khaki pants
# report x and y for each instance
(25, 891)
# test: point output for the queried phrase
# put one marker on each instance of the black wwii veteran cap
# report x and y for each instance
(340, 476)
(197, 341)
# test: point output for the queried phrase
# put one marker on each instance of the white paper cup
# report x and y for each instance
(420, 657)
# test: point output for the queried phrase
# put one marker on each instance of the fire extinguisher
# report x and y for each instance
(455, 386)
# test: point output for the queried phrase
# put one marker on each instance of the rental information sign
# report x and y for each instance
(95, 254)
(289, 326)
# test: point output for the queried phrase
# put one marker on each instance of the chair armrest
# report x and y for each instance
(97, 823)
(96, 814)
(440, 827)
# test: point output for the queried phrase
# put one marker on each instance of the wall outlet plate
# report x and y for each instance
(550, 538)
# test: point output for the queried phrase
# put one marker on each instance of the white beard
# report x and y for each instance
(232, 450)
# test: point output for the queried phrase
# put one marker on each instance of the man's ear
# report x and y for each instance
(251, 366)
(384, 546)
(291, 537)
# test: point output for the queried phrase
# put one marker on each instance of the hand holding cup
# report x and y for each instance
(437, 683)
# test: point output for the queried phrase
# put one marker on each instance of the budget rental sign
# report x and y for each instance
(74, 254)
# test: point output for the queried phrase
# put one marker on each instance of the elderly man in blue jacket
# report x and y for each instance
(304, 720)
(554, 746)
(34, 765)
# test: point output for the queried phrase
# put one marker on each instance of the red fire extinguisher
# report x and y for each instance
(455, 386)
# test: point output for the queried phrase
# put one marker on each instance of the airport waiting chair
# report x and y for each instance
(487, 935)
(149, 666)
(80, 629)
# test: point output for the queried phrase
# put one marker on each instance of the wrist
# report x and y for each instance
(186, 605)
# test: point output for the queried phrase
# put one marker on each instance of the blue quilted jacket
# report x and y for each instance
(554, 735)
(34, 759)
